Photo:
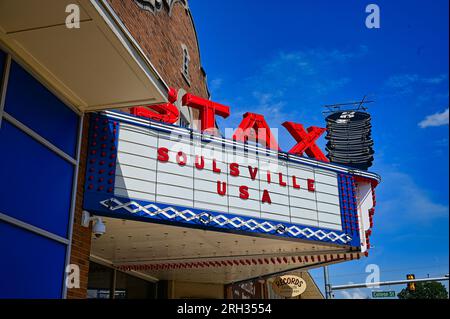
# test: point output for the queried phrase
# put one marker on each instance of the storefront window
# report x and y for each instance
(100, 284)
(129, 287)
(105, 282)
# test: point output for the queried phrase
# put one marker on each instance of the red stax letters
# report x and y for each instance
(306, 141)
(208, 111)
(251, 127)
(167, 113)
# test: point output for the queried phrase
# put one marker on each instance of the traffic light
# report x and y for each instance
(411, 285)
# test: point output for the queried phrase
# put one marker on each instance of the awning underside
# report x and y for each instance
(94, 67)
(185, 254)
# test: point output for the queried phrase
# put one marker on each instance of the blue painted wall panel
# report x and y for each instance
(32, 104)
(35, 183)
(2, 64)
(31, 266)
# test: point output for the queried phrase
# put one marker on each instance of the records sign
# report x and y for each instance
(289, 286)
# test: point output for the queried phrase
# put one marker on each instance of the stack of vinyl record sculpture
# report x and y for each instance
(349, 136)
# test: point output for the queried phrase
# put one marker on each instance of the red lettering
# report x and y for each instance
(311, 185)
(294, 183)
(200, 165)
(167, 113)
(221, 188)
(234, 169)
(208, 111)
(243, 192)
(163, 154)
(269, 177)
(215, 168)
(266, 197)
(253, 172)
(254, 128)
(306, 142)
(280, 179)
(181, 158)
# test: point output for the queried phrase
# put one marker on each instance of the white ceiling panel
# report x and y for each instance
(178, 253)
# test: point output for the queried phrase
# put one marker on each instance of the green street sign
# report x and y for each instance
(383, 294)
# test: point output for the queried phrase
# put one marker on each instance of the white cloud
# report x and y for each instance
(330, 86)
(292, 84)
(443, 142)
(271, 105)
(216, 84)
(400, 199)
(406, 83)
(402, 80)
(306, 74)
(435, 80)
(353, 294)
(437, 119)
(311, 61)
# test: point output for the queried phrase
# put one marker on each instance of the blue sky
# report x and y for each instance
(286, 59)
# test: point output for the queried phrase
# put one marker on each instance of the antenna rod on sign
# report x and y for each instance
(361, 105)
(350, 106)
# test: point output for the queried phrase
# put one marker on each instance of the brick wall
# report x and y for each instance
(161, 37)
(81, 237)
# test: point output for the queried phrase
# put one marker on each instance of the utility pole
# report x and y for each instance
(326, 277)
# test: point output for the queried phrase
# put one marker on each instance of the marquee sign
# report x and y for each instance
(252, 128)
(145, 170)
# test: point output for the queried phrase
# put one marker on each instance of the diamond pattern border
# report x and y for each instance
(222, 221)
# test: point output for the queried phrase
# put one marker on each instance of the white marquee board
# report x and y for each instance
(168, 174)
(140, 175)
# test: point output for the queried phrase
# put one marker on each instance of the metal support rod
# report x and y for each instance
(387, 283)
(326, 277)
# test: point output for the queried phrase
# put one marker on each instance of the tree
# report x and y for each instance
(425, 290)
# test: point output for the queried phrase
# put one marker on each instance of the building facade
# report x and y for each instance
(166, 34)
(98, 185)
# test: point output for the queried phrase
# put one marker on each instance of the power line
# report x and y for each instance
(387, 283)
(392, 270)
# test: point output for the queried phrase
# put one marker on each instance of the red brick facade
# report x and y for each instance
(161, 36)
(81, 236)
